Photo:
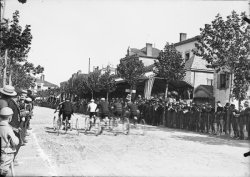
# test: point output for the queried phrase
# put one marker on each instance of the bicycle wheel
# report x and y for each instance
(66, 124)
(54, 123)
(77, 127)
(126, 126)
(98, 126)
(87, 124)
(58, 125)
(142, 126)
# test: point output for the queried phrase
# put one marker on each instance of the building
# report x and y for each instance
(111, 68)
(197, 74)
(147, 54)
(222, 84)
(42, 84)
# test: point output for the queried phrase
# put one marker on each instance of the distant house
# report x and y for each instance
(147, 54)
(111, 68)
(42, 84)
(197, 74)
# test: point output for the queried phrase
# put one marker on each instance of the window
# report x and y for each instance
(187, 56)
(223, 81)
(210, 82)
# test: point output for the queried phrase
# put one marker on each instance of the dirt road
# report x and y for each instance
(161, 152)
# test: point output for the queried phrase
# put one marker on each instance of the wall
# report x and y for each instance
(186, 48)
(147, 61)
(220, 95)
(200, 78)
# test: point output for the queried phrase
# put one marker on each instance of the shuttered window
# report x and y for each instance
(223, 81)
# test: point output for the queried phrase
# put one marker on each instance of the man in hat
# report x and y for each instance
(220, 118)
(67, 111)
(247, 116)
(8, 141)
(8, 94)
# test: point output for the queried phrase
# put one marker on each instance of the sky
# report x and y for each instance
(66, 33)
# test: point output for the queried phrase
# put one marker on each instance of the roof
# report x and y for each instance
(187, 41)
(142, 52)
(45, 83)
(198, 64)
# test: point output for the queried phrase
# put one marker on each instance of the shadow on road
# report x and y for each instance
(212, 140)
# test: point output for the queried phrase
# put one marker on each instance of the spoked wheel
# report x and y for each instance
(58, 125)
(126, 126)
(114, 125)
(142, 126)
(77, 127)
(87, 124)
(66, 124)
(54, 123)
(98, 127)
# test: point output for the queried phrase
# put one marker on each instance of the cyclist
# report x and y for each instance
(59, 107)
(133, 109)
(67, 111)
(92, 106)
(118, 108)
(103, 107)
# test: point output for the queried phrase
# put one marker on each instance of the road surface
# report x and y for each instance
(160, 152)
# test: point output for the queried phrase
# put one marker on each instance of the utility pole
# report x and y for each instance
(89, 65)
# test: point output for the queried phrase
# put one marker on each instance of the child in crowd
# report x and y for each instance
(8, 140)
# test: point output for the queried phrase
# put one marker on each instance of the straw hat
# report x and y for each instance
(92, 100)
(6, 111)
(8, 90)
(102, 99)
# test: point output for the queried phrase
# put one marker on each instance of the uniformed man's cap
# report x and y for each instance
(6, 111)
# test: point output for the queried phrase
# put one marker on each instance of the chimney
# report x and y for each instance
(149, 49)
(183, 36)
(42, 77)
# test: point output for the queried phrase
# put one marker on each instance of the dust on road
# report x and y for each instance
(161, 152)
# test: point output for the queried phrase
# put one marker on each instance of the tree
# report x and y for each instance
(131, 69)
(224, 43)
(107, 82)
(17, 43)
(92, 83)
(169, 66)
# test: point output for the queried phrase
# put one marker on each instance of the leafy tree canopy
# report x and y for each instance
(169, 64)
(131, 69)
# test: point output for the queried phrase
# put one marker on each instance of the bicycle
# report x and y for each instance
(111, 124)
(58, 123)
(136, 123)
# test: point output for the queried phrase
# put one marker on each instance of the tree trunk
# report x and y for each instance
(10, 77)
(92, 94)
(228, 112)
(132, 94)
(164, 106)
(107, 95)
(5, 67)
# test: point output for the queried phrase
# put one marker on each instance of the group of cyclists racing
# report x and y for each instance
(103, 109)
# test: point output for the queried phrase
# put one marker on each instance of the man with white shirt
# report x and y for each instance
(92, 108)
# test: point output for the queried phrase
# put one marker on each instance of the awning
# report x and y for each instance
(203, 91)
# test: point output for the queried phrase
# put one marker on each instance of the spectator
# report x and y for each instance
(9, 140)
